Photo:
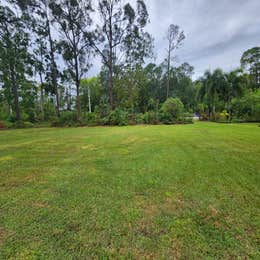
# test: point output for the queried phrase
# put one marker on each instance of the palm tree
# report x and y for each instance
(212, 83)
(233, 87)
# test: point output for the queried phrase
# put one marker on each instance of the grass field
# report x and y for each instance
(185, 191)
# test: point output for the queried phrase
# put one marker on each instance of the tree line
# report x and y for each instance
(48, 47)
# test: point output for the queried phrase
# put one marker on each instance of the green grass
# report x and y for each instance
(185, 191)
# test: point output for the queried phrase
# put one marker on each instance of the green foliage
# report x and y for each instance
(250, 61)
(67, 118)
(172, 109)
(151, 117)
(91, 119)
(2, 125)
(91, 91)
(117, 117)
(49, 111)
(222, 117)
(22, 124)
(125, 91)
(247, 107)
(166, 118)
(15, 59)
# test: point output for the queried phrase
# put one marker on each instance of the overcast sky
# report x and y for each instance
(217, 31)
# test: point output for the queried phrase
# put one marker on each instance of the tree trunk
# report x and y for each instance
(228, 106)
(110, 86)
(214, 111)
(53, 66)
(168, 74)
(77, 81)
(15, 93)
(78, 100)
(89, 101)
(110, 61)
(42, 97)
(68, 91)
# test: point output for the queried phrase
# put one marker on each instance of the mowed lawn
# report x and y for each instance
(184, 191)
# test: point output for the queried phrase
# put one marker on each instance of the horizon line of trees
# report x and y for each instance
(47, 48)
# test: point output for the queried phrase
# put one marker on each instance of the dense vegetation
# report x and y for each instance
(142, 192)
(46, 51)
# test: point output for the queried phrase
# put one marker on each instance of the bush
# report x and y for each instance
(151, 117)
(117, 117)
(22, 124)
(132, 119)
(11, 119)
(55, 122)
(166, 118)
(185, 120)
(90, 119)
(188, 114)
(4, 112)
(28, 116)
(172, 110)
(152, 105)
(139, 119)
(67, 118)
(247, 107)
(173, 107)
(223, 117)
(2, 125)
(204, 117)
(6, 125)
(237, 120)
(135, 119)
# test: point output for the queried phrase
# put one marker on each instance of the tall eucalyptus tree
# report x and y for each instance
(175, 38)
(39, 18)
(250, 61)
(15, 59)
(73, 19)
(119, 22)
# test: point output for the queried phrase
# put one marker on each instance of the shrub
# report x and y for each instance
(185, 120)
(2, 125)
(204, 117)
(139, 119)
(132, 119)
(152, 105)
(117, 117)
(237, 120)
(188, 114)
(247, 107)
(55, 122)
(91, 119)
(166, 118)
(67, 118)
(151, 117)
(4, 112)
(29, 115)
(172, 109)
(22, 124)
(11, 119)
(223, 117)
(6, 125)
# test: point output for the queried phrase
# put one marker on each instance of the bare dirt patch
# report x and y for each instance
(3, 235)
(40, 205)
